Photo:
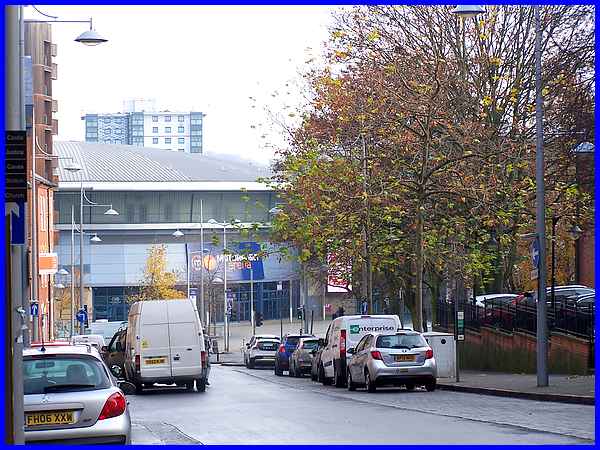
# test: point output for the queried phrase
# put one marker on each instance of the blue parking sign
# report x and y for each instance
(35, 307)
(81, 316)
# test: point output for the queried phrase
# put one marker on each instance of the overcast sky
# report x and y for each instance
(207, 58)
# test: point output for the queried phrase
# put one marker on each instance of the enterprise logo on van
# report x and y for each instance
(357, 329)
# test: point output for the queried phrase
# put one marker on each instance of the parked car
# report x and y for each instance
(114, 352)
(96, 340)
(70, 397)
(250, 344)
(261, 352)
(285, 350)
(316, 361)
(392, 359)
(561, 294)
(481, 300)
(343, 333)
(301, 358)
(165, 344)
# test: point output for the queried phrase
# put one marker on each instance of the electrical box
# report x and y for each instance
(444, 352)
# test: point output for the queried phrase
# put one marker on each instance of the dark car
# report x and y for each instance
(314, 369)
(287, 347)
(301, 359)
(114, 353)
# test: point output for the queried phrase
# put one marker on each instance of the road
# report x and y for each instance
(255, 407)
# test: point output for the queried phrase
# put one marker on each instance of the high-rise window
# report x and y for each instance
(154, 118)
(180, 129)
(167, 140)
(167, 129)
(155, 129)
(181, 118)
(181, 140)
(167, 118)
(155, 140)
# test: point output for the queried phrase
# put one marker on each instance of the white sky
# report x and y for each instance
(207, 58)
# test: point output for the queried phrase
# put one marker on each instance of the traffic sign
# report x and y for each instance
(460, 325)
(535, 252)
(35, 308)
(15, 166)
(81, 316)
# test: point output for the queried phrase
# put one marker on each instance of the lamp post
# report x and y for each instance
(109, 212)
(467, 11)
(225, 317)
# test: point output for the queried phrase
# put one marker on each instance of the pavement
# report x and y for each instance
(561, 388)
(243, 406)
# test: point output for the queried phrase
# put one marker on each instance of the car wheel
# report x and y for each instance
(278, 371)
(369, 383)
(410, 386)
(200, 385)
(291, 370)
(350, 384)
(430, 386)
(313, 377)
(326, 381)
(139, 388)
(189, 385)
(250, 363)
(338, 378)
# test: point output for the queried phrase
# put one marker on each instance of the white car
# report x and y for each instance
(96, 340)
(344, 333)
(71, 397)
(262, 352)
(481, 299)
(251, 347)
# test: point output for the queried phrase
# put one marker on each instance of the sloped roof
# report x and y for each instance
(128, 163)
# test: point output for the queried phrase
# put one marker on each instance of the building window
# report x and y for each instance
(167, 140)
(167, 118)
(154, 118)
(180, 129)
(108, 131)
(181, 141)
(181, 118)
(42, 209)
(155, 140)
(182, 149)
(155, 129)
(167, 129)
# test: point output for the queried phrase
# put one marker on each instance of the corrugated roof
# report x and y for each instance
(128, 163)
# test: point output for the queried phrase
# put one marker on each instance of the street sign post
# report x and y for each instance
(35, 308)
(81, 316)
(535, 252)
(460, 325)
(15, 165)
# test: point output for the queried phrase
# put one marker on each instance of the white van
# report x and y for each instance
(344, 333)
(165, 344)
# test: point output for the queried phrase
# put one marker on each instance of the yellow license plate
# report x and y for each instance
(403, 358)
(49, 418)
(152, 361)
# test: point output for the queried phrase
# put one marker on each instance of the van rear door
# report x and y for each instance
(185, 338)
(155, 355)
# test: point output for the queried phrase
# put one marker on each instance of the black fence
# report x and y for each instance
(519, 316)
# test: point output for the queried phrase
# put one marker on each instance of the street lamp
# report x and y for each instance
(177, 233)
(225, 302)
(542, 326)
(95, 238)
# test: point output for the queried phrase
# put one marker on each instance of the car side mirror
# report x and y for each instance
(126, 387)
(104, 348)
(321, 342)
(116, 371)
(350, 351)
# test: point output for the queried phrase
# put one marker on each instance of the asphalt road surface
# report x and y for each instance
(255, 407)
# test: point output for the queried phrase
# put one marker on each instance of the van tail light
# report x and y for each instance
(203, 355)
(429, 354)
(342, 343)
(115, 406)
(137, 363)
(376, 354)
(281, 348)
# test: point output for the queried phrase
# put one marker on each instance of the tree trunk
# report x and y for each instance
(418, 323)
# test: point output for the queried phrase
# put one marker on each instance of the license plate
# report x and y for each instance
(152, 361)
(403, 358)
(49, 418)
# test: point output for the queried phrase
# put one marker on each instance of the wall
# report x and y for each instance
(494, 350)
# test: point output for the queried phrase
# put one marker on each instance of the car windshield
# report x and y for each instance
(63, 373)
(401, 341)
(310, 345)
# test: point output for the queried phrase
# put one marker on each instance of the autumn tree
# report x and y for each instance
(157, 283)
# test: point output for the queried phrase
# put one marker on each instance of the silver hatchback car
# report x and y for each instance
(71, 397)
(402, 358)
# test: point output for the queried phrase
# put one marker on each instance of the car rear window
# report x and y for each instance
(310, 345)
(267, 345)
(292, 341)
(63, 373)
(401, 341)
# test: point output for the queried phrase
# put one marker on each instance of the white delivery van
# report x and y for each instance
(165, 344)
(344, 333)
